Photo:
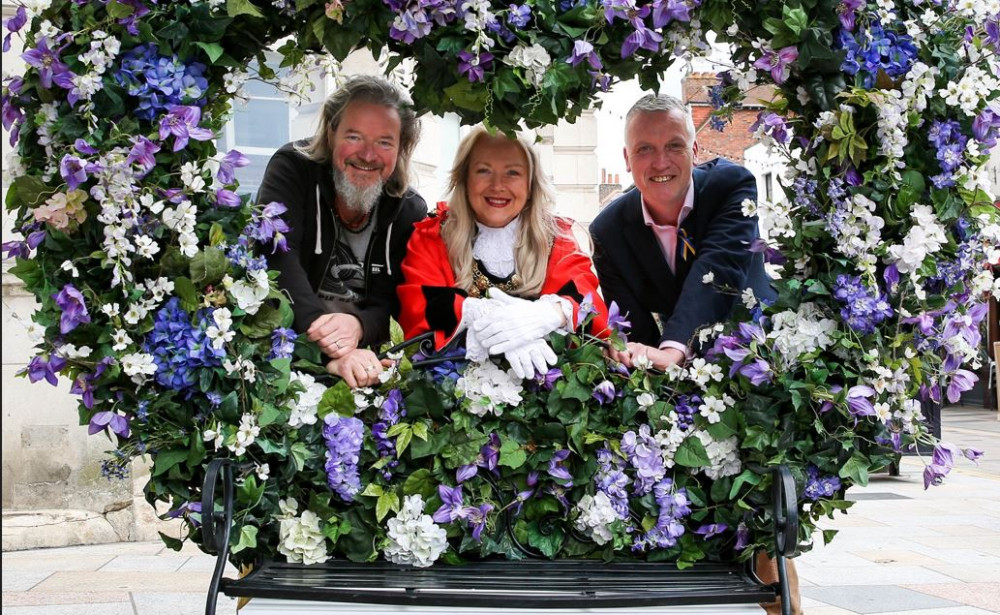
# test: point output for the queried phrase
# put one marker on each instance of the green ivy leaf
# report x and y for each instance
(547, 542)
(235, 8)
(165, 460)
(420, 482)
(214, 51)
(208, 266)
(248, 538)
(856, 469)
(337, 398)
(747, 477)
(511, 454)
(691, 454)
(300, 455)
(386, 502)
(188, 294)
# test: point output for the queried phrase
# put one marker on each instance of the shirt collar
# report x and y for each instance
(685, 209)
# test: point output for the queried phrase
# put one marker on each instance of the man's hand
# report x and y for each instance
(660, 359)
(336, 334)
(359, 367)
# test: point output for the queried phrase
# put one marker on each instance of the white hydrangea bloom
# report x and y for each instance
(801, 332)
(723, 455)
(251, 293)
(487, 387)
(534, 59)
(304, 408)
(594, 514)
(300, 538)
(925, 238)
(414, 538)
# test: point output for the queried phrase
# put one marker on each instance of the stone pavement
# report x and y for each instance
(901, 549)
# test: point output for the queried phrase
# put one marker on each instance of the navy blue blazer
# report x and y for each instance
(634, 273)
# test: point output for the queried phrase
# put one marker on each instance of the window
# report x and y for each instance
(261, 125)
(769, 187)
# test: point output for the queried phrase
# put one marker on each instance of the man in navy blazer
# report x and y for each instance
(655, 245)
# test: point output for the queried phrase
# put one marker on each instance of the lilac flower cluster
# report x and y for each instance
(644, 456)
(863, 308)
(949, 143)
(611, 479)
(415, 18)
(674, 506)
(951, 272)
(389, 414)
(804, 190)
(818, 486)
(160, 81)
(715, 96)
(343, 437)
(876, 49)
(180, 348)
(282, 343)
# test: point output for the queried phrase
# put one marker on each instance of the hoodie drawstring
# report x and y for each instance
(319, 224)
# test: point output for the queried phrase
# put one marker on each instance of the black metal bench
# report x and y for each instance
(528, 583)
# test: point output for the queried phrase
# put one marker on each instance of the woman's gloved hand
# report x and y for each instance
(515, 322)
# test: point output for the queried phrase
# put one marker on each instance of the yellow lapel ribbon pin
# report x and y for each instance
(688, 246)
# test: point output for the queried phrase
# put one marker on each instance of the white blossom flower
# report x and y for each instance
(251, 295)
(300, 539)
(645, 400)
(487, 387)
(304, 407)
(708, 278)
(723, 455)
(71, 268)
(702, 372)
(594, 514)
(70, 351)
(414, 538)
(138, 365)
(534, 59)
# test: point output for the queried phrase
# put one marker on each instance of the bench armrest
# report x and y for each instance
(217, 525)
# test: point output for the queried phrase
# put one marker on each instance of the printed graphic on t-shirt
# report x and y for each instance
(345, 279)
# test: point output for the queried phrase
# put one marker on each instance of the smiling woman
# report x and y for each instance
(156, 304)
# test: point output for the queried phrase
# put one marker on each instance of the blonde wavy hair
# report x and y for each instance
(537, 230)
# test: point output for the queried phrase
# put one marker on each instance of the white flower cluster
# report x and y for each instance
(860, 232)
(594, 514)
(47, 115)
(414, 538)
(221, 332)
(182, 220)
(300, 81)
(925, 238)
(801, 332)
(701, 372)
(251, 292)
(712, 407)
(775, 219)
(968, 92)
(534, 59)
(486, 386)
(723, 455)
(243, 368)
(886, 10)
(670, 439)
(246, 434)
(103, 50)
(892, 123)
(366, 397)
(919, 84)
(138, 365)
(300, 538)
(234, 82)
(978, 11)
(304, 406)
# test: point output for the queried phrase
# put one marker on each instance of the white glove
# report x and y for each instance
(474, 310)
(516, 322)
(529, 359)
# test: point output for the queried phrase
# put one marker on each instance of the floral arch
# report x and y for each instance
(155, 305)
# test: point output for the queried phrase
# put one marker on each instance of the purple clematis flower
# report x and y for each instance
(604, 392)
(40, 369)
(986, 125)
(547, 380)
(488, 458)
(182, 123)
(586, 309)
(582, 50)
(83, 147)
(14, 24)
(476, 517)
(972, 454)
(474, 66)
(711, 529)
(47, 61)
(74, 308)
(742, 536)
(73, 170)
(103, 421)
(143, 153)
(227, 198)
(773, 125)
(859, 400)
(846, 10)
(778, 62)
(665, 11)
(961, 380)
(616, 320)
(531, 483)
(642, 38)
(233, 160)
(941, 464)
(558, 470)
(757, 371)
(451, 505)
(519, 15)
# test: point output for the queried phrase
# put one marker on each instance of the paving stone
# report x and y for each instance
(876, 598)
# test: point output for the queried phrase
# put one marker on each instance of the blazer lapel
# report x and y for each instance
(643, 243)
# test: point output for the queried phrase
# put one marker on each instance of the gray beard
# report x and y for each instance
(357, 199)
